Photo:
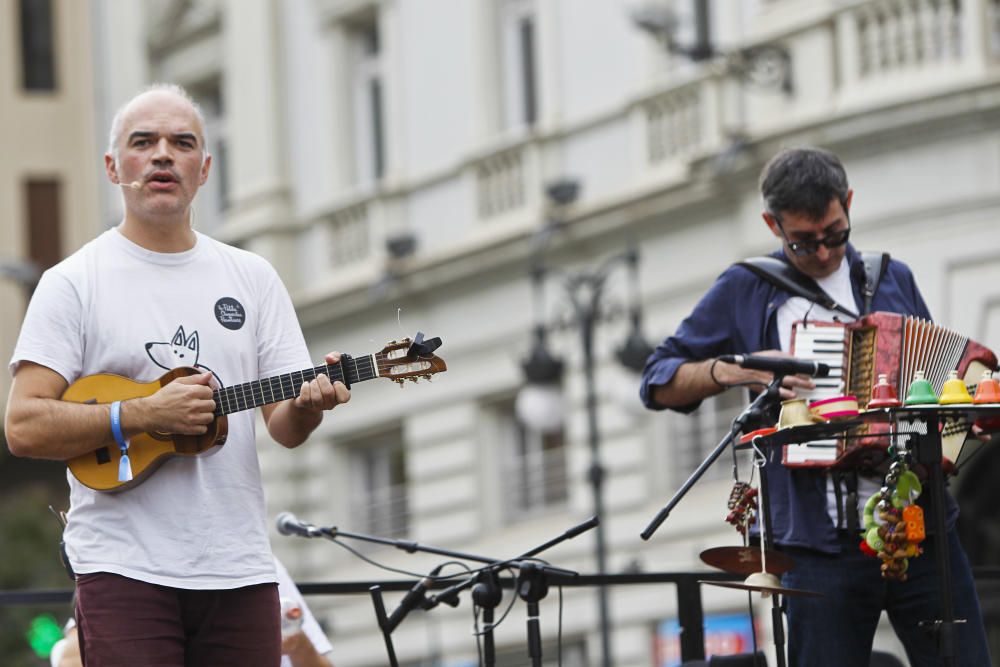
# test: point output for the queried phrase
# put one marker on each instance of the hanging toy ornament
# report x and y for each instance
(742, 507)
(893, 523)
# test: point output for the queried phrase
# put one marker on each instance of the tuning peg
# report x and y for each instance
(413, 380)
(399, 381)
(428, 377)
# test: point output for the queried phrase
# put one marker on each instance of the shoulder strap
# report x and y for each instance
(784, 276)
(875, 266)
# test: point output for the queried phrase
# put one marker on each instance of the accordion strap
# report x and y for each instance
(875, 266)
(784, 276)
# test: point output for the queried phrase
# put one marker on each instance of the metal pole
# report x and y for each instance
(587, 317)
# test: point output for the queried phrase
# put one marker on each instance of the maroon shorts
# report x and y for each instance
(125, 623)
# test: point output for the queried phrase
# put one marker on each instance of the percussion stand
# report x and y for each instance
(766, 542)
(765, 400)
(928, 452)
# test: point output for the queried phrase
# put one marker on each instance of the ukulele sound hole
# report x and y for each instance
(103, 455)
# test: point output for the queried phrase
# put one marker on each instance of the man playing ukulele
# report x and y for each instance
(176, 570)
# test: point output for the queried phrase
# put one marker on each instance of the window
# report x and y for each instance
(379, 490)
(694, 436)
(534, 467)
(43, 222)
(213, 198)
(38, 67)
(368, 98)
(519, 59)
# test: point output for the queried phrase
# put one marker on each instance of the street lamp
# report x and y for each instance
(767, 65)
(539, 404)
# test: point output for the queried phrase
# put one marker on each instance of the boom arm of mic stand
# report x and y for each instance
(763, 400)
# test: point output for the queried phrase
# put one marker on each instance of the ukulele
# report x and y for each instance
(398, 361)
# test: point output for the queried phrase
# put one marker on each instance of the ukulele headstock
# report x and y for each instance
(410, 359)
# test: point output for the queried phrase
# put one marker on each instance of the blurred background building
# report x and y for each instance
(405, 163)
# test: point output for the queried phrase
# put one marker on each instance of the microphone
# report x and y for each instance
(778, 365)
(288, 524)
(135, 185)
(412, 598)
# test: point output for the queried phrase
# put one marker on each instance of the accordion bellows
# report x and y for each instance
(881, 343)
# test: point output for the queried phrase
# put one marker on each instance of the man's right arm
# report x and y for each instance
(38, 424)
(695, 381)
(692, 383)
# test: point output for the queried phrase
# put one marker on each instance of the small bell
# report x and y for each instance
(883, 394)
(988, 392)
(763, 582)
(954, 391)
(920, 392)
(988, 389)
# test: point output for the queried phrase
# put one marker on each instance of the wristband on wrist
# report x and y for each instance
(711, 374)
(124, 465)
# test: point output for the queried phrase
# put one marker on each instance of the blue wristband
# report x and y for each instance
(124, 465)
(116, 425)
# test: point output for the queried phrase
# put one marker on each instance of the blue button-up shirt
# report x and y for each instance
(738, 315)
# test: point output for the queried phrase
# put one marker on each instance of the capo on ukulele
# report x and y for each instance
(421, 348)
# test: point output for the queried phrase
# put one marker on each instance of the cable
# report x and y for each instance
(559, 639)
(408, 573)
(476, 633)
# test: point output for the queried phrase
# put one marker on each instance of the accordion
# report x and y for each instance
(857, 353)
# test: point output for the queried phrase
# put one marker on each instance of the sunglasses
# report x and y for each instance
(803, 248)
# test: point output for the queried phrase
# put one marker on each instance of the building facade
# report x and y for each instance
(48, 179)
(395, 161)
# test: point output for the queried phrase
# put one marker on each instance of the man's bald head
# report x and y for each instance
(165, 90)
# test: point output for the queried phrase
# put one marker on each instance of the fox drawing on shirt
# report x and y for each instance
(181, 350)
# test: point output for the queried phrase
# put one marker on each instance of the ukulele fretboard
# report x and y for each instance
(283, 387)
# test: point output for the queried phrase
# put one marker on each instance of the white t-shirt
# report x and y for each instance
(288, 589)
(115, 307)
(838, 286)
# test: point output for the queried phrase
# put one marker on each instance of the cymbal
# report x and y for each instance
(763, 588)
(746, 560)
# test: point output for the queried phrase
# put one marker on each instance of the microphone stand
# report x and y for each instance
(488, 595)
(764, 400)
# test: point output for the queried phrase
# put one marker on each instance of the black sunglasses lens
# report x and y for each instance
(835, 240)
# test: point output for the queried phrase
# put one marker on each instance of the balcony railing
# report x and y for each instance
(500, 184)
(349, 236)
(383, 512)
(872, 55)
(674, 124)
(897, 35)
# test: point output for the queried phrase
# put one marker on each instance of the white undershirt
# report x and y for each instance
(838, 286)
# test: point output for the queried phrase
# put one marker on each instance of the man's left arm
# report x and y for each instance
(291, 422)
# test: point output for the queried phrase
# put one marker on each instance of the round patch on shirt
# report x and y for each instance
(230, 313)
